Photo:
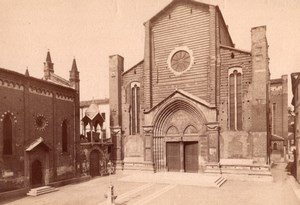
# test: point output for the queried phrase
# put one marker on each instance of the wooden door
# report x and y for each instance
(173, 156)
(36, 174)
(191, 156)
(94, 163)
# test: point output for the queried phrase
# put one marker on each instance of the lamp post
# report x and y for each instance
(110, 196)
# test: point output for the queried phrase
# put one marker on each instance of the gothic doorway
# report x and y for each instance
(36, 174)
(178, 131)
(94, 163)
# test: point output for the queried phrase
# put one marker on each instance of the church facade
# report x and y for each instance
(39, 128)
(194, 99)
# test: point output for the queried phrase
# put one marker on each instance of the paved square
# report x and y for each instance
(237, 190)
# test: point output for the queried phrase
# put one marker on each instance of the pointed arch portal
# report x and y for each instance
(177, 130)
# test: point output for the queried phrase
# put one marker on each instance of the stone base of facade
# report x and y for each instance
(244, 145)
(137, 164)
(119, 166)
(239, 167)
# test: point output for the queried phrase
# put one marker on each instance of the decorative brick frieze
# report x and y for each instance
(11, 84)
(40, 91)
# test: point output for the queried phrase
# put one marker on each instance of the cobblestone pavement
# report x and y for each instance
(232, 192)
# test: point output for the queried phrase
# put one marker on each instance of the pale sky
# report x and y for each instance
(92, 30)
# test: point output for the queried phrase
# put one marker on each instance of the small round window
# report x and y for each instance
(180, 61)
(41, 122)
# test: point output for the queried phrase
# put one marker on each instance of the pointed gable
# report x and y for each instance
(93, 115)
(174, 3)
(39, 142)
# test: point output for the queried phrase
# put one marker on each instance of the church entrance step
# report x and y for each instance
(220, 181)
(41, 190)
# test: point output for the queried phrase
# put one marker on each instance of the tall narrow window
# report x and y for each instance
(135, 108)
(273, 117)
(7, 135)
(235, 100)
(64, 136)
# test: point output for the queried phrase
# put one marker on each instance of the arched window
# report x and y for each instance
(64, 136)
(135, 108)
(235, 99)
(7, 135)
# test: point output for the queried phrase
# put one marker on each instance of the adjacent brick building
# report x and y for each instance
(194, 99)
(39, 127)
(279, 117)
(296, 103)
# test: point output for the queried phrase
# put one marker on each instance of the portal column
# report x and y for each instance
(47, 172)
(116, 133)
(181, 148)
(148, 147)
(212, 132)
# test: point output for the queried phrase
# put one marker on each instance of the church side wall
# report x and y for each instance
(26, 99)
(133, 144)
(12, 167)
(230, 59)
(65, 161)
(236, 144)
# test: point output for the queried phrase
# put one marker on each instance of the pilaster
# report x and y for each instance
(148, 146)
(117, 158)
(212, 131)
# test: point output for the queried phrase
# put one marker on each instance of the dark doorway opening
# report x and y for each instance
(36, 174)
(191, 156)
(94, 163)
(173, 156)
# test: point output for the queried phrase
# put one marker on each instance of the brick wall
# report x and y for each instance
(27, 98)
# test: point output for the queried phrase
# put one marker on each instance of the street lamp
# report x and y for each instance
(110, 196)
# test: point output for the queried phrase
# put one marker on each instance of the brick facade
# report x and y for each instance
(279, 117)
(185, 102)
(296, 103)
(37, 108)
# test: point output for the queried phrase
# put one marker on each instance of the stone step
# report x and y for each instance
(239, 171)
(220, 181)
(239, 167)
(41, 190)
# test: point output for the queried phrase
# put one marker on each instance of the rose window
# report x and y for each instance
(180, 61)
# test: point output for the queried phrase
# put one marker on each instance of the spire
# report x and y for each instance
(48, 67)
(74, 76)
(74, 65)
(48, 58)
(27, 72)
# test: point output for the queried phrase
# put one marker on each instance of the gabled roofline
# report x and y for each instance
(87, 103)
(139, 63)
(185, 94)
(275, 137)
(173, 3)
(235, 49)
(92, 118)
(30, 78)
(36, 143)
(59, 80)
(222, 18)
(276, 80)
